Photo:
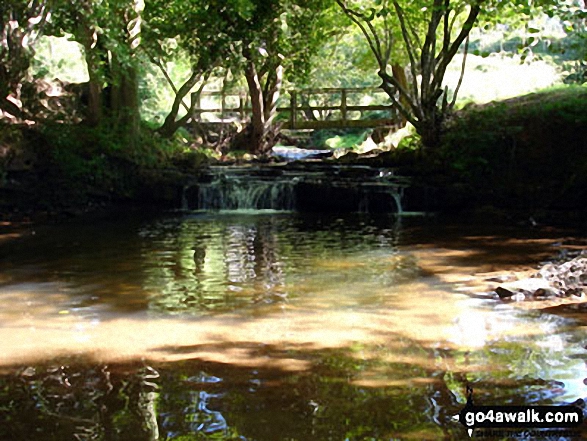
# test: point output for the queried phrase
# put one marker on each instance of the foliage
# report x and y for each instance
(21, 23)
(258, 39)
(97, 163)
(342, 61)
(110, 34)
(338, 138)
(525, 151)
(410, 142)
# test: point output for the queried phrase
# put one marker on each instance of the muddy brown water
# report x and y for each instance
(273, 326)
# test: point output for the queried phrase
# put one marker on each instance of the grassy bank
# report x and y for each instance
(526, 152)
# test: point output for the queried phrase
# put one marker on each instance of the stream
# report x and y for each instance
(270, 325)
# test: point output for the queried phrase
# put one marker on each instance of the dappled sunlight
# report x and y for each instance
(407, 329)
(312, 220)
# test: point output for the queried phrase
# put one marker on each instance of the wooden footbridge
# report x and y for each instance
(305, 109)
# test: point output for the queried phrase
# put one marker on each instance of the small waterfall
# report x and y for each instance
(229, 192)
(379, 197)
(311, 188)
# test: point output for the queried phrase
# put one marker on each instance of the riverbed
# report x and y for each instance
(268, 325)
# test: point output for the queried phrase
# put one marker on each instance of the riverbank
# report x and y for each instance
(521, 155)
(518, 160)
(61, 171)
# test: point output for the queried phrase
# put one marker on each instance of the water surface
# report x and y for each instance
(265, 326)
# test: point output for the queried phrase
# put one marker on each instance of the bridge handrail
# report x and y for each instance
(294, 107)
(299, 91)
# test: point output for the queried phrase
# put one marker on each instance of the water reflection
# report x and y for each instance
(120, 402)
(220, 263)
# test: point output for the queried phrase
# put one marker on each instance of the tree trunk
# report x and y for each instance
(130, 111)
(430, 129)
(94, 109)
(399, 74)
(257, 126)
(93, 56)
(273, 91)
(170, 125)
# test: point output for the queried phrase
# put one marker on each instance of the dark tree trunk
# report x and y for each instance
(95, 56)
(130, 115)
(257, 126)
(260, 135)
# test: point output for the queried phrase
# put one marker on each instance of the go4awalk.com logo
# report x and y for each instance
(518, 417)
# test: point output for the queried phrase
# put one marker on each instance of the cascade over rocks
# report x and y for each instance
(306, 187)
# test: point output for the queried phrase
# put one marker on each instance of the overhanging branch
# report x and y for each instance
(409, 49)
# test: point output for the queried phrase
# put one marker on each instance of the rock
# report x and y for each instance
(499, 279)
(503, 293)
(562, 279)
(348, 158)
(544, 293)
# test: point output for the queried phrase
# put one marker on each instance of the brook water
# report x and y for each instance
(200, 325)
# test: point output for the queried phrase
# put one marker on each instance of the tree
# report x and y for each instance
(21, 23)
(286, 34)
(203, 32)
(432, 31)
(110, 33)
(262, 40)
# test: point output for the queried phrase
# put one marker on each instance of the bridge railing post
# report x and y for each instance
(343, 104)
(242, 102)
(293, 105)
(197, 116)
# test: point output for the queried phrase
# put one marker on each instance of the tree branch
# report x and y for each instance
(388, 79)
(356, 18)
(447, 56)
(409, 48)
(428, 50)
(455, 93)
(167, 77)
(404, 112)
(447, 26)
